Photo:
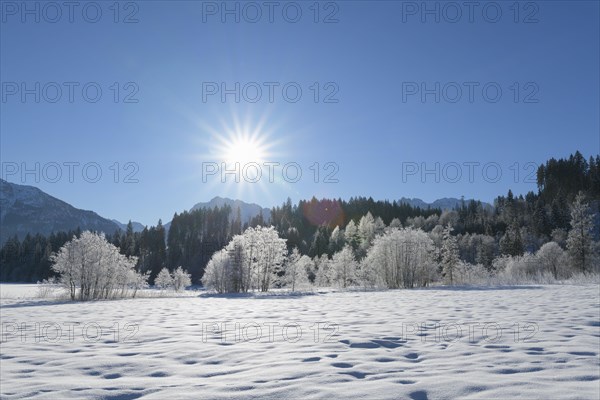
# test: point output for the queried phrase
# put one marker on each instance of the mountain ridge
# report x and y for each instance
(137, 226)
(445, 203)
(247, 210)
(27, 209)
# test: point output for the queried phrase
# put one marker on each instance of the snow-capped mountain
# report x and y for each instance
(27, 209)
(446, 203)
(247, 210)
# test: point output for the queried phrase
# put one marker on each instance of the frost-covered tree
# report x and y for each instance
(467, 273)
(449, 254)
(336, 241)
(164, 280)
(402, 258)
(343, 268)
(181, 279)
(485, 249)
(416, 222)
(431, 222)
(396, 223)
(449, 217)
(296, 270)
(251, 260)
(91, 268)
(579, 241)
(291, 262)
(351, 234)
(512, 243)
(241, 251)
(437, 235)
(559, 236)
(322, 266)
(366, 274)
(271, 253)
(366, 233)
(518, 269)
(379, 226)
(138, 281)
(216, 274)
(319, 243)
(552, 258)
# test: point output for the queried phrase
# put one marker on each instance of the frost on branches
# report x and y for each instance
(342, 271)
(90, 268)
(450, 256)
(401, 258)
(164, 280)
(250, 261)
(579, 241)
(368, 254)
(178, 280)
(181, 279)
(296, 270)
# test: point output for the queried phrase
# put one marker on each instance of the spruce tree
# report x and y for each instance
(579, 241)
(450, 256)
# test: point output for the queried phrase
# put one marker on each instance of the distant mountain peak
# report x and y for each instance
(27, 209)
(445, 203)
(137, 226)
(247, 210)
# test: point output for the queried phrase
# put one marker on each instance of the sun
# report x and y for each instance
(240, 155)
(251, 139)
(244, 150)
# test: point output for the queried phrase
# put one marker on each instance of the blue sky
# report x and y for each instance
(375, 60)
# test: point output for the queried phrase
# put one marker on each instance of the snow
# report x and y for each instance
(374, 350)
(16, 291)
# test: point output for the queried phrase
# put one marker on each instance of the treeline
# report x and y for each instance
(191, 240)
(309, 224)
(564, 178)
(515, 226)
(194, 236)
(372, 255)
(29, 260)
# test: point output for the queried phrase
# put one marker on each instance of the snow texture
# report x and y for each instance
(368, 345)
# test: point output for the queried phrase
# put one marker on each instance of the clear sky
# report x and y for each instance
(387, 92)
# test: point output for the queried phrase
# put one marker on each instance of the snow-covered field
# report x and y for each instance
(520, 342)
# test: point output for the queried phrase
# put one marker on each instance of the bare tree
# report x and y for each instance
(91, 268)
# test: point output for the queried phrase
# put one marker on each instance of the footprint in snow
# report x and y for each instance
(342, 365)
(311, 359)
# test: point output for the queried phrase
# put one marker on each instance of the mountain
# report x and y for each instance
(247, 210)
(26, 209)
(137, 226)
(447, 203)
